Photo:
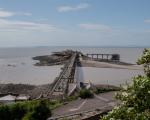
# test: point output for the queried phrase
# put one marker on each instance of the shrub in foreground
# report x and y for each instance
(85, 93)
(39, 112)
(135, 99)
(17, 111)
(5, 113)
(31, 110)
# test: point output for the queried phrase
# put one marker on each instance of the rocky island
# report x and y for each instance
(56, 58)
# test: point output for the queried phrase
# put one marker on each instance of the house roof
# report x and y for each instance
(22, 97)
(8, 98)
(11, 97)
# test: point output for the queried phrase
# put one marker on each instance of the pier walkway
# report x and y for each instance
(65, 79)
(64, 85)
(80, 108)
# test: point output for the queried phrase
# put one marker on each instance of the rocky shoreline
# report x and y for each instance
(32, 90)
(56, 58)
(35, 91)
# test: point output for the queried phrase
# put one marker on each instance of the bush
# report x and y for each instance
(71, 98)
(41, 111)
(85, 93)
(5, 113)
(103, 90)
(17, 111)
(135, 99)
(31, 110)
(28, 116)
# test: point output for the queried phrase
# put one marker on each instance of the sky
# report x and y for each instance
(74, 23)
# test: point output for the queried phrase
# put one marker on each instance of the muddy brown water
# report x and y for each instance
(16, 66)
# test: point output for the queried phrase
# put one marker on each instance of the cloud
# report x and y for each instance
(24, 14)
(9, 25)
(147, 21)
(73, 8)
(96, 27)
(42, 20)
(5, 14)
(147, 31)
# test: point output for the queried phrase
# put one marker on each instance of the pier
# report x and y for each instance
(106, 57)
(65, 84)
(61, 85)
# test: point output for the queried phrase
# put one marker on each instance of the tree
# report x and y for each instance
(135, 99)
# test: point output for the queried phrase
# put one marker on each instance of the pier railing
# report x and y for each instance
(107, 57)
(60, 85)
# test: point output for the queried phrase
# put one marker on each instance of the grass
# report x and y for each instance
(53, 104)
(104, 90)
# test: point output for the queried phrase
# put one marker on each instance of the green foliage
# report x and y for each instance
(71, 98)
(54, 104)
(145, 58)
(5, 113)
(28, 116)
(41, 111)
(126, 113)
(17, 111)
(104, 90)
(30, 110)
(145, 61)
(135, 99)
(85, 93)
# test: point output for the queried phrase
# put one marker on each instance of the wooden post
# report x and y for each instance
(107, 57)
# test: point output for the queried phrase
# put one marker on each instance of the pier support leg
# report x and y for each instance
(107, 57)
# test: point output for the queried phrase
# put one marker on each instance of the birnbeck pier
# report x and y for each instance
(65, 83)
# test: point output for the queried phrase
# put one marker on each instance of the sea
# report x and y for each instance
(17, 66)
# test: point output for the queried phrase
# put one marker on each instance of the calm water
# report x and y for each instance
(16, 66)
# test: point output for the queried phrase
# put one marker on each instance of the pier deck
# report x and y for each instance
(61, 84)
(107, 57)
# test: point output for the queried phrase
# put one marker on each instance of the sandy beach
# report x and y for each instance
(91, 63)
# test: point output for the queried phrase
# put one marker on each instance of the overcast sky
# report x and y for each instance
(74, 23)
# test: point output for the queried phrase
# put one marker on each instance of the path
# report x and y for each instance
(80, 105)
